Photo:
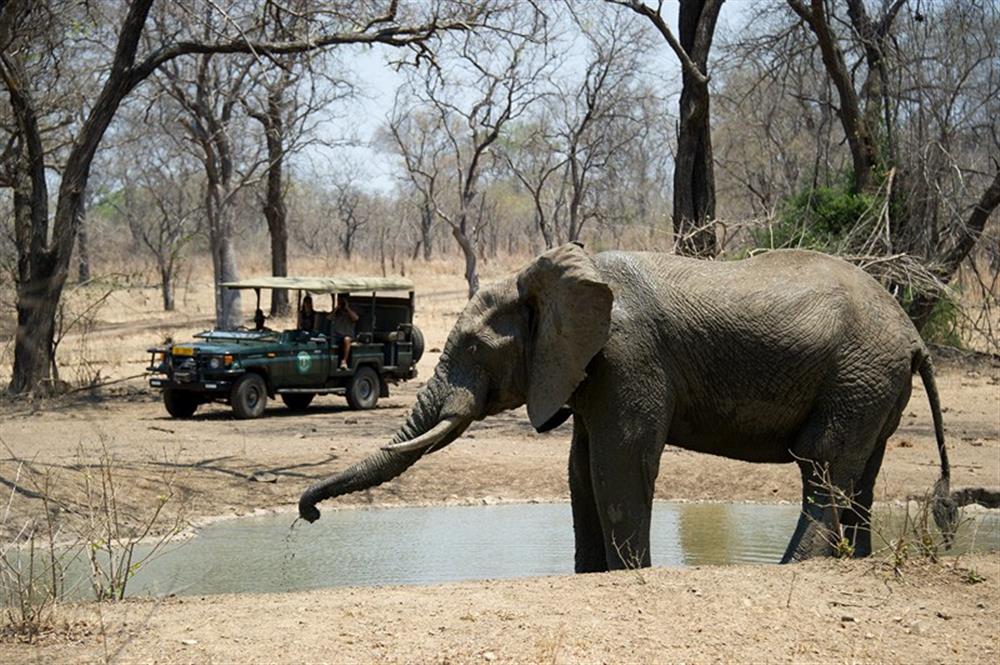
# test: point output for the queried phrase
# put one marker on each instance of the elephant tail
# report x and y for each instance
(943, 507)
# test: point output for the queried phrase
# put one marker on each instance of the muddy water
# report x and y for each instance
(451, 543)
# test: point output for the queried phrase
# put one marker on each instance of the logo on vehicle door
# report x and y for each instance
(303, 362)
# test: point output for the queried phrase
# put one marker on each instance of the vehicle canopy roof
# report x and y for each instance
(321, 285)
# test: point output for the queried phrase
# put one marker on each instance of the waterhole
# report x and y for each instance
(428, 545)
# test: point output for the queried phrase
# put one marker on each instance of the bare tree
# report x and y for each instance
(599, 113)
(877, 115)
(414, 135)
(286, 101)
(209, 92)
(694, 178)
(26, 28)
(156, 192)
(351, 209)
(472, 98)
(532, 155)
(860, 127)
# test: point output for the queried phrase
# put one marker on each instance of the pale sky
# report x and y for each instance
(378, 81)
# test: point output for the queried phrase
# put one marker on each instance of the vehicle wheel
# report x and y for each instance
(297, 401)
(249, 396)
(364, 389)
(417, 338)
(180, 403)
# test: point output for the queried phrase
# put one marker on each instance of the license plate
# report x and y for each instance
(155, 383)
(183, 351)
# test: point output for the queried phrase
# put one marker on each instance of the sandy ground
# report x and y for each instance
(206, 467)
(828, 611)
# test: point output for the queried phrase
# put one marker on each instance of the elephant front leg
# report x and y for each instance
(590, 556)
(623, 473)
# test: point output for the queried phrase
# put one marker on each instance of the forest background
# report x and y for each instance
(148, 144)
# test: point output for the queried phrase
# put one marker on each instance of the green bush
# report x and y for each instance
(816, 218)
(944, 325)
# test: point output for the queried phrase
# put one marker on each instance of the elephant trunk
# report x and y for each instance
(374, 470)
(385, 465)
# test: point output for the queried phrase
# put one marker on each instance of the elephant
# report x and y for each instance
(789, 356)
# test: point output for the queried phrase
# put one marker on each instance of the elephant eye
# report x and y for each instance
(472, 349)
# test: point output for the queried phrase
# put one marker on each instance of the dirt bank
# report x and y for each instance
(828, 611)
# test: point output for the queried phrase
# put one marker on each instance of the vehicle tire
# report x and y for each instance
(297, 401)
(180, 403)
(249, 396)
(364, 389)
(417, 338)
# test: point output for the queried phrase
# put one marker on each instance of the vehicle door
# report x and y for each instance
(311, 363)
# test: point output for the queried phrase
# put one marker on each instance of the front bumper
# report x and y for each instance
(202, 386)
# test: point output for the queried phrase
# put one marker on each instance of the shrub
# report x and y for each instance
(944, 325)
(816, 218)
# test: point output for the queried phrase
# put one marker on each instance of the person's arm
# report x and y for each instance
(350, 312)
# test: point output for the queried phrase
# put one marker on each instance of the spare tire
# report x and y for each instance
(417, 339)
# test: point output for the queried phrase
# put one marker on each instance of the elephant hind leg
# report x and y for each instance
(840, 451)
(857, 518)
(836, 506)
(812, 536)
(838, 470)
(586, 521)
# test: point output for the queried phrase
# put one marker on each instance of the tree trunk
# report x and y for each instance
(230, 314)
(860, 137)
(36, 315)
(381, 252)
(694, 177)
(469, 252)
(575, 199)
(167, 287)
(426, 230)
(279, 268)
(541, 222)
(275, 211)
(82, 247)
(228, 303)
(345, 245)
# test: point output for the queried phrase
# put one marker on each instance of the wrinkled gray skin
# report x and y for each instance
(790, 356)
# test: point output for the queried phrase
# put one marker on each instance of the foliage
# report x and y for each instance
(944, 325)
(816, 218)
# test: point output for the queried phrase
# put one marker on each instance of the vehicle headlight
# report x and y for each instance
(215, 363)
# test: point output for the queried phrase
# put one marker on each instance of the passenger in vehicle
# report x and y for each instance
(307, 315)
(344, 320)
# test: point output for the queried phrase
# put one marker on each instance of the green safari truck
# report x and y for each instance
(248, 366)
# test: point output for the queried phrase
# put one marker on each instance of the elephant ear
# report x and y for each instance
(570, 308)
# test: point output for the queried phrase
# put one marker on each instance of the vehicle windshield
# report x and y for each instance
(237, 335)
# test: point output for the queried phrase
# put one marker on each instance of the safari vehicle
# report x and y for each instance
(245, 367)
